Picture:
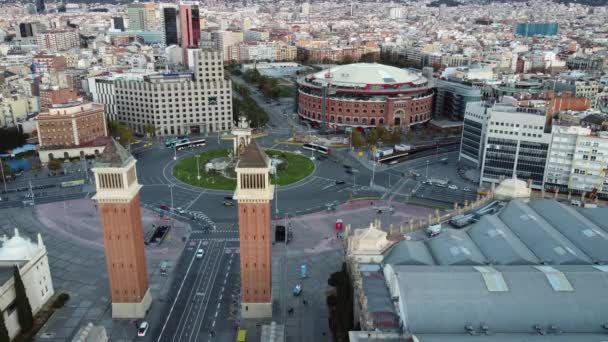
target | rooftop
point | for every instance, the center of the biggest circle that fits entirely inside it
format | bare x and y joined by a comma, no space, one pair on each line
114,155
253,157
369,73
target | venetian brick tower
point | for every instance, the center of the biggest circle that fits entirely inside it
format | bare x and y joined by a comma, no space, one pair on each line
118,198
254,193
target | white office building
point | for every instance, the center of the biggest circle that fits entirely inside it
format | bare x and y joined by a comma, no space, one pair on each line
507,139
198,101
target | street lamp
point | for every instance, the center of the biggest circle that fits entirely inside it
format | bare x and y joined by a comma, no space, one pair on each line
427,169
175,151
3,179
198,169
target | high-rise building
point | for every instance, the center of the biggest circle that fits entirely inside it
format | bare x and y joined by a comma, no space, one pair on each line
169,18
536,29
57,40
452,96
119,210
118,23
190,27
142,16
182,104
516,142
254,192
40,7
577,161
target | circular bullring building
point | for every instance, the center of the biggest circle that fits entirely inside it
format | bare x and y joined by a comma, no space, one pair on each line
364,95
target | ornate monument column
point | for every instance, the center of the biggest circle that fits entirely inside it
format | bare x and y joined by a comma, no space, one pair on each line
118,198
242,136
254,193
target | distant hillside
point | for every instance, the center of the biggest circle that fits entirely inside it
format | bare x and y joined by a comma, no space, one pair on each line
584,2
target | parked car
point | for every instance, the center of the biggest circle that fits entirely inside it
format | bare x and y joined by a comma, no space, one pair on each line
200,253
340,182
453,187
143,329
228,203
164,207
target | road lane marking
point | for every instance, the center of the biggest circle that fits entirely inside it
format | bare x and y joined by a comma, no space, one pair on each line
177,296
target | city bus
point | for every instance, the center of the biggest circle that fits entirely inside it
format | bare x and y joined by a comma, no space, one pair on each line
73,183
170,143
194,143
315,147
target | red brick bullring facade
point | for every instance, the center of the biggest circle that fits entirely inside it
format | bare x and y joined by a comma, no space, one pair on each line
366,95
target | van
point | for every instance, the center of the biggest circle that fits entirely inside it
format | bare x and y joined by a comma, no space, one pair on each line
576,203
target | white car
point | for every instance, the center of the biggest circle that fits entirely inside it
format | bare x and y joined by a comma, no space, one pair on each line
143,329
200,253
180,210
453,187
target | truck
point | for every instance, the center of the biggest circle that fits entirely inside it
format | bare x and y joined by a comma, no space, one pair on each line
462,220
384,152
402,147
433,230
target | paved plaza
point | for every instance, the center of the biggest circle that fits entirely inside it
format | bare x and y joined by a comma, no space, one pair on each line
72,235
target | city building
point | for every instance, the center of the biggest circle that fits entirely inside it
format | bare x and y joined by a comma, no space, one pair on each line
256,35
365,95
32,261
464,275
254,192
56,95
40,7
577,161
57,40
197,101
170,24
579,87
45,63
119,211
66,129
190,27
536,29
225,40
452,96
142,16
517,139
16,108
118,23
476,117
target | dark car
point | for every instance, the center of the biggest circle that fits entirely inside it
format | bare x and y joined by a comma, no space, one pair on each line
349,171
164,207
229,198
340,182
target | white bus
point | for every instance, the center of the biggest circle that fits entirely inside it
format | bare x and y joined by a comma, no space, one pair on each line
314,147
189,144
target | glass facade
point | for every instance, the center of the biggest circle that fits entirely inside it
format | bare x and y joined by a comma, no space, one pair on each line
503,156
471,138
536,29
170,24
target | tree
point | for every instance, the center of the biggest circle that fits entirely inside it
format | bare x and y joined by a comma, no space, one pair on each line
370,57
24,310
11,138
150,129
55,164
4,336
372,137
395,136
121,132
356,139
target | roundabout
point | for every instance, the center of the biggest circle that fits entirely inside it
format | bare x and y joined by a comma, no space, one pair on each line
214,169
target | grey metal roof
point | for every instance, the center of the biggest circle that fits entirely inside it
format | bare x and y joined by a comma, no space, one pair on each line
599,216
447,299
549,245
498,243
379,304
409,253
586,235
455,247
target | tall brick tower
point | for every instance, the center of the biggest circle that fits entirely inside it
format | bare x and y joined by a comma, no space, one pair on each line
254,193
118,198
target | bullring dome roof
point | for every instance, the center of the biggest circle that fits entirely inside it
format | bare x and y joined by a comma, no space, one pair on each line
369,73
